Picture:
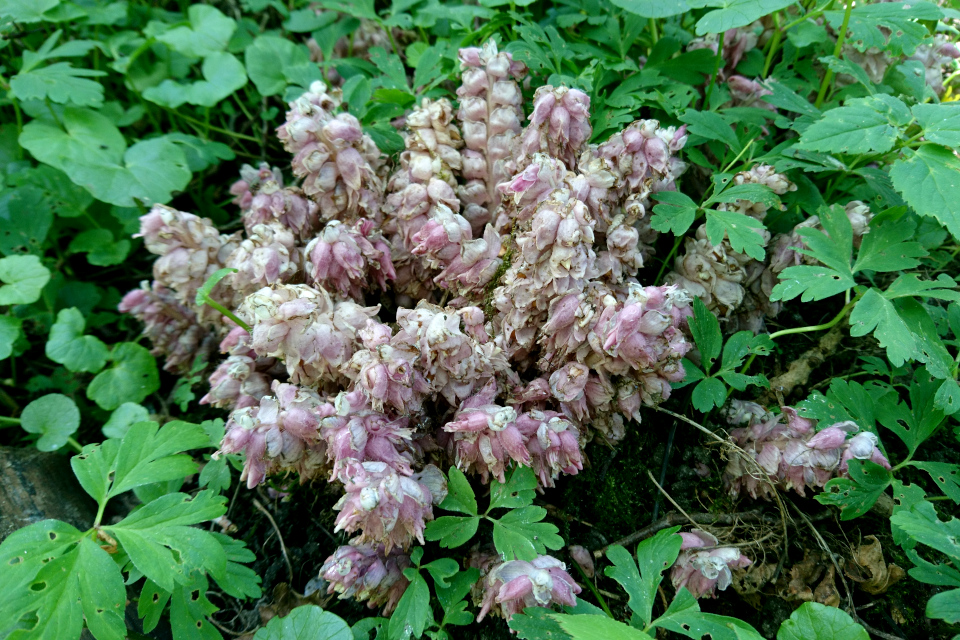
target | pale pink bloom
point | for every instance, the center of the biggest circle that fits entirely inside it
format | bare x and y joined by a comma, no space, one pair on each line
349,259
749,93
485,436
559,124
583,558
172,328
553,443
269,255
360,433
512,586
287,206
383,506
366,572
236,383
705,571
490,114
253,179
279,434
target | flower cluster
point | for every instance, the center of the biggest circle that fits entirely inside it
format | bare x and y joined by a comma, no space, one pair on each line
791,452
703,566
513,328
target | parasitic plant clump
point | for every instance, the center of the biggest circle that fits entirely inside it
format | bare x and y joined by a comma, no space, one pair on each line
512,331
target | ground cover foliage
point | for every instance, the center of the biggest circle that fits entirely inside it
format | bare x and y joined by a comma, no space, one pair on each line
600,319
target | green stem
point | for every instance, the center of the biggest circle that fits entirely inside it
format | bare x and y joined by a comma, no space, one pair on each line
194,121
74,444
828,76
8,422
666,261
226,312
593,588
654,37
774,46
716,70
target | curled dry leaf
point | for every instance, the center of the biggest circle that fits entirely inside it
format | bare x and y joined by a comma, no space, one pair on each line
826,592
868,568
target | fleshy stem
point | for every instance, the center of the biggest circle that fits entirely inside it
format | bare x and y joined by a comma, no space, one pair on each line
8,422
74,444
828,76
716,70
817,327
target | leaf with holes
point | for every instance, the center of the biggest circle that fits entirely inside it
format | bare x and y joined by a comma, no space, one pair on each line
683,616
517,491
869,25
81,585
189,609
163,546
915,423
25,219
946,476
858,493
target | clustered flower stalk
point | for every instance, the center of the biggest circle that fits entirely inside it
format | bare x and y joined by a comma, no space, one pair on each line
520,330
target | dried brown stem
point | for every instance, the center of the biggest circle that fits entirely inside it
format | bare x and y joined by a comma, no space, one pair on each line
283,547
800,369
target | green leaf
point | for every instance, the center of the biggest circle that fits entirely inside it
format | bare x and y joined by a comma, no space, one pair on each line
55,416
597,627
413,613
25,216
709,393
23,278
706,332
940,122
916,423
68,346
10,333
520,535
148,454
222,75
866,22
308,622
66,200
306,20
886,246
132,377
756,193
875,313
460,496
929,180
189,609
24,552
908,284
20,11
946,476
60,82
675,212
858,493
655,555
925,527
732,14
122,418
452,531
744,232
93,467
814,621
163,546
93,153
517,491
862,125
683,616
273,63
100,247
215,475
945,606
238,581
201,154
208,33
203,293
537,623
711,126
948,397
785,98
652,8
451,597
908,498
